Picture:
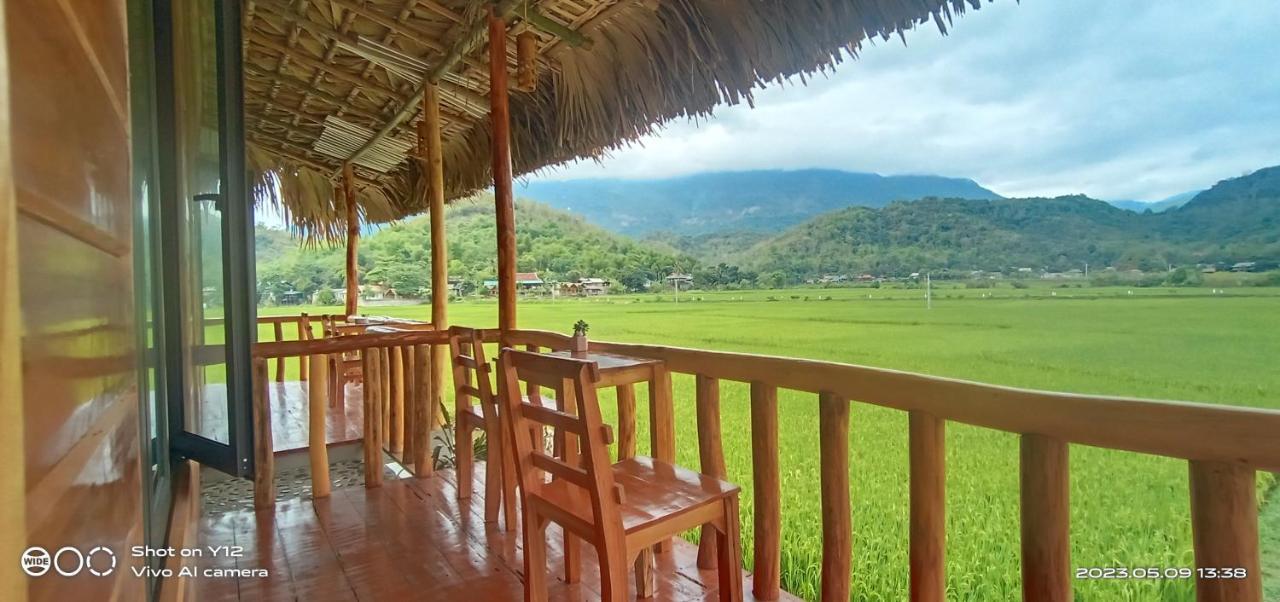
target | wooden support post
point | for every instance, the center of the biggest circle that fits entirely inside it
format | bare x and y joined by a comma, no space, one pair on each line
1046,518
423,465
384,408
430,134
1224,529
928,507
398,397
837,531
710,455
264,459
500,126
767,491
317,436
353,239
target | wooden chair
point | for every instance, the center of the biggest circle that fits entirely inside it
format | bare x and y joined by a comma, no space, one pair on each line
622,509
476,408
344,367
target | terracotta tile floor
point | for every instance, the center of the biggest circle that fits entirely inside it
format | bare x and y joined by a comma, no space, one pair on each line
410,539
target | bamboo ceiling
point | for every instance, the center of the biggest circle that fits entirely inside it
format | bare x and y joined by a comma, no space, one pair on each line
322,76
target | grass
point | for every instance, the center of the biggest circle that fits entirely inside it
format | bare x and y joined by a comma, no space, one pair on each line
1127,509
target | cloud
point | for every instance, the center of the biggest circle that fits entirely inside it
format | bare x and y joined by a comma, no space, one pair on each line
1111,99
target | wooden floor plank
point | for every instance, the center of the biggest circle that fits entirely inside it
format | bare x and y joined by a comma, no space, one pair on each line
410,539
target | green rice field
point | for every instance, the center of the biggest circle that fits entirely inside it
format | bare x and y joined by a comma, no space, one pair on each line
1127,510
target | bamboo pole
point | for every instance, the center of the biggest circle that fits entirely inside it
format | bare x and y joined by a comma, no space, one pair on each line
353,239
398,399
317,440
423,465
500,117
439,239
264,487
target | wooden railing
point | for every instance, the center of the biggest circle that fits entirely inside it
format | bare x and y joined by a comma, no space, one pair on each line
1224,446
396,407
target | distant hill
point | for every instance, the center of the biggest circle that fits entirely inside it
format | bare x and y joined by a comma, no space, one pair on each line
557,245
1164,204
1235,220
760,201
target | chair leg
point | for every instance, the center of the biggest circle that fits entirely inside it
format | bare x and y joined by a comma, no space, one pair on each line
508,459
493,476
729,552
646,584
572,558
465,456
613,574
535,557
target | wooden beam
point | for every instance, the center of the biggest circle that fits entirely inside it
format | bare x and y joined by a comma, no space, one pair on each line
500,127
330,70
305,87
544,23
457,51
353,239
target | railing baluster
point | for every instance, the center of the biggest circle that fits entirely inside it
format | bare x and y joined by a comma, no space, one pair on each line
1224,528
384,409
710,454
410,393
767,491
264,488
422,412
928,507
279,333
396,435
304,334
372,402
837,531
317,436
1046,544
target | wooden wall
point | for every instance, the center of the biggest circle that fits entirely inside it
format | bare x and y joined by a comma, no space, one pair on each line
69,136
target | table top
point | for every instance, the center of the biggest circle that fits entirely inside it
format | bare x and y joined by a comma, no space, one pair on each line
607,362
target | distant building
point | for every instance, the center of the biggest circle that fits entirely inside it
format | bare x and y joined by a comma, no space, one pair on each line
291,297
679,280
593,287
528,281
833,278
1244,266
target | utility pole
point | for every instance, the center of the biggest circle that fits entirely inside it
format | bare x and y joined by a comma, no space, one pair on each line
928,291
1086,269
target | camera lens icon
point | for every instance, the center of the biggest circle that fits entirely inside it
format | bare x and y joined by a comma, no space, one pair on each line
36,561
69,561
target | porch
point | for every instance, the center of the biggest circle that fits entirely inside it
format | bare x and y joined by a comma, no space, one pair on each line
411,538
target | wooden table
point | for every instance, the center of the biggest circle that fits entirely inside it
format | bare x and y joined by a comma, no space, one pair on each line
624,372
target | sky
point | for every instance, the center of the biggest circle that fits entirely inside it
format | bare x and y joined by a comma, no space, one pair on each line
1116,99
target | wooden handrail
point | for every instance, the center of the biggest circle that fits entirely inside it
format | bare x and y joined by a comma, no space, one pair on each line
1224,446
1192,431
355,342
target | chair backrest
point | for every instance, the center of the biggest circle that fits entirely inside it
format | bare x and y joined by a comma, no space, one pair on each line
583,461
471,372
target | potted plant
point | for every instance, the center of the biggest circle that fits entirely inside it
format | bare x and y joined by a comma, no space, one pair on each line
578,344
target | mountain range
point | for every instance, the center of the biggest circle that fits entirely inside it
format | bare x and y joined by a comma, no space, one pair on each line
760,200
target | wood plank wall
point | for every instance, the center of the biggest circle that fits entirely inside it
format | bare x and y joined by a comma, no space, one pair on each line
70,141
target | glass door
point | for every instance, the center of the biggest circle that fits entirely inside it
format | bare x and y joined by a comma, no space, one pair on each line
207,218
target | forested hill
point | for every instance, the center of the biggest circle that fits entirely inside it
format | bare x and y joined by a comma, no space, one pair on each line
761,200
553,243
1236,220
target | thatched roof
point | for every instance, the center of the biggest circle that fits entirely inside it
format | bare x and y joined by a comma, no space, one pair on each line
321,76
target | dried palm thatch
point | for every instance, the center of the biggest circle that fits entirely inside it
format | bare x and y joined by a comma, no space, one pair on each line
311,64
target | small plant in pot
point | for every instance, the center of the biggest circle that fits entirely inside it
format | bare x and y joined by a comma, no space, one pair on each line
578,344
